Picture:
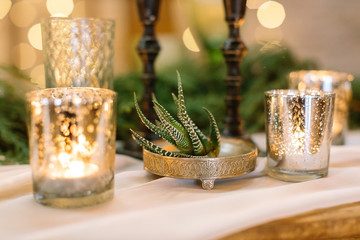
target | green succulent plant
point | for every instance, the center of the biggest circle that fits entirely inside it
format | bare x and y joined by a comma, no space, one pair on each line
181,132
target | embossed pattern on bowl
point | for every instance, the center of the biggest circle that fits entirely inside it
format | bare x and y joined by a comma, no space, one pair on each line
237,157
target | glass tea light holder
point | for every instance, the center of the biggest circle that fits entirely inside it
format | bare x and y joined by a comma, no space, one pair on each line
298,133
78,52
72,145
329,81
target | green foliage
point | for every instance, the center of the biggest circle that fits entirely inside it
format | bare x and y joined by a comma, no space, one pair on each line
125,86
13,132
183,134
265,67
354,121
204,86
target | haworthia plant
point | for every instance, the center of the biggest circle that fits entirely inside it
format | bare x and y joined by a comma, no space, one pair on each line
181,132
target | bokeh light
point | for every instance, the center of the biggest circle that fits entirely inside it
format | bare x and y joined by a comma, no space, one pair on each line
271,14
60,8
38,75
24,55
5,7
34,36
22,14
189,41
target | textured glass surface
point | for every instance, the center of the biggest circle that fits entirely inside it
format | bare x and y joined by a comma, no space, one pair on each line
78,52
329,81
72,145
298,133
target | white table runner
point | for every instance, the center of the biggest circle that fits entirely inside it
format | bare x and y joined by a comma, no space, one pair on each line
149,207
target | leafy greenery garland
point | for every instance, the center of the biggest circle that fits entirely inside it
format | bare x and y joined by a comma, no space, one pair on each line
262,69
13,131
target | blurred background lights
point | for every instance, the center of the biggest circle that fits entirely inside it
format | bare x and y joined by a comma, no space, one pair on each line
22,14
189,41
271,14
34,36
60,8
24,56
254,4
5,7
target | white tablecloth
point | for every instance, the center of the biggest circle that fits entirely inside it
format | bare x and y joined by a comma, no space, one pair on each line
149,207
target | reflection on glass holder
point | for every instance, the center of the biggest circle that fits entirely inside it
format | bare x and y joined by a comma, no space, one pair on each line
329,81
72,145
298,133
78,52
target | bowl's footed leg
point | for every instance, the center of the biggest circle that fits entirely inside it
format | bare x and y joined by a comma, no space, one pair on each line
207,184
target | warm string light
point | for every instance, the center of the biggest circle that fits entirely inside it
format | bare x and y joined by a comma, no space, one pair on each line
24,14
271,15
60,8
5,8
34,36
189,41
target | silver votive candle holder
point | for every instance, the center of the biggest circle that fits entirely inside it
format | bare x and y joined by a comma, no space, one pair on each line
329,81
78,52
72,145
298,133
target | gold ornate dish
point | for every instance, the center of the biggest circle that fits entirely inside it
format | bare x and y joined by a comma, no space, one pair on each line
237,157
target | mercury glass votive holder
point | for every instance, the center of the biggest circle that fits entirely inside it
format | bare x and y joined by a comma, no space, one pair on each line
78,52
72,145
298,133
329,81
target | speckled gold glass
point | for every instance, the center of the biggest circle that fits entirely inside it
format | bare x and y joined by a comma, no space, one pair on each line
72,145
78,52
298,133
329,81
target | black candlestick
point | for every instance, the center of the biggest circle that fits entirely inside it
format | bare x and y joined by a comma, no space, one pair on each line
148,50
233,51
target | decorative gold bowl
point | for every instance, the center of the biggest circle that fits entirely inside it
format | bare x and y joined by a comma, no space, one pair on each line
237,157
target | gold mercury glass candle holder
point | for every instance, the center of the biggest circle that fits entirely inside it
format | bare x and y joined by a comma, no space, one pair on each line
72,145
298,133
329,81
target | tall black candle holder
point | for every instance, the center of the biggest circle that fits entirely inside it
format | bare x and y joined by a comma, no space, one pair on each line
148,50
233,50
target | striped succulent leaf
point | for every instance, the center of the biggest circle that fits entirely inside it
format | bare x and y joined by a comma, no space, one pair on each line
174,98
204,140
161,111
174,128
214,134
151,146
183,134
197,137
152,127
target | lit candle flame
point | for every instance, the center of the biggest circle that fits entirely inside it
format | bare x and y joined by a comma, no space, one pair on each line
298,140
69,168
